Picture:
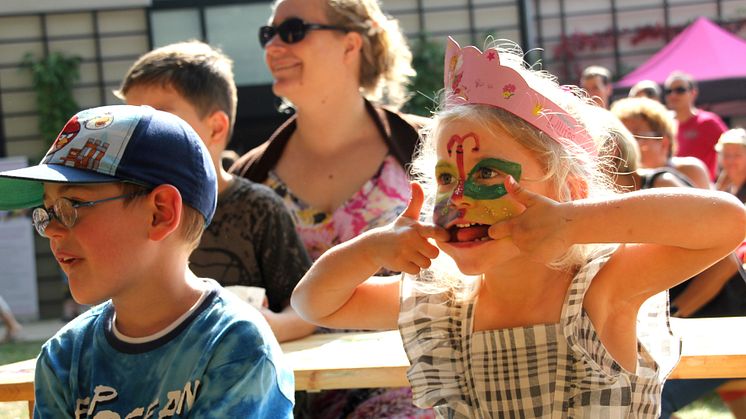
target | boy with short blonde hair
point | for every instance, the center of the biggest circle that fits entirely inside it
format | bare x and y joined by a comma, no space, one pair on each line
252,240
123,195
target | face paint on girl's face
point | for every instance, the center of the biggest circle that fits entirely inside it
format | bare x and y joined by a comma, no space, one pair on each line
476,201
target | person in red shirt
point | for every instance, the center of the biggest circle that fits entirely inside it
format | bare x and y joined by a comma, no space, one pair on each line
698,130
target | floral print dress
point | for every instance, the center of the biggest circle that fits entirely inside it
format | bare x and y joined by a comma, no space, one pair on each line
380,200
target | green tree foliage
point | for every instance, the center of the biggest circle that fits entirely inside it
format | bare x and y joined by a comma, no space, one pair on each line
53,77
427,60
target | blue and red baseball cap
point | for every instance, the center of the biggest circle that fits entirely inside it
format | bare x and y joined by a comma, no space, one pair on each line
120,143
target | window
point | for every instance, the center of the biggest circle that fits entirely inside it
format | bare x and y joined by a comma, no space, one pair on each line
232,28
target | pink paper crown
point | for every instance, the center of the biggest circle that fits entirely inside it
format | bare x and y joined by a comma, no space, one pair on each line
474,77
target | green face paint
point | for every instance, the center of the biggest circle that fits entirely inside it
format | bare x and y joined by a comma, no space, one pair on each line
484,187
480,184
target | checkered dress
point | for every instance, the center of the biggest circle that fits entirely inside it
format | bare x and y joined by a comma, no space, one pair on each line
541,371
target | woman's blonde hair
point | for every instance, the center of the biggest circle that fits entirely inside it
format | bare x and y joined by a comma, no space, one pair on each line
386,60
653,112
573,175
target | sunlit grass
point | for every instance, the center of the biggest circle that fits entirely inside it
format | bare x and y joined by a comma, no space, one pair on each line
14,410
708,407
18,351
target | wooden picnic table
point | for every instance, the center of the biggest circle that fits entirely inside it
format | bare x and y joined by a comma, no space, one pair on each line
712,348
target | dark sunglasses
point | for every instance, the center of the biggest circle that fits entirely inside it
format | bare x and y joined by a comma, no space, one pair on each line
678,90
292,30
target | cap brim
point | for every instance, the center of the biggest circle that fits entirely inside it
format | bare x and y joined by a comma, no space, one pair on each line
23,188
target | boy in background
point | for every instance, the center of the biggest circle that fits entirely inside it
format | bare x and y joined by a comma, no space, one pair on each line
123,196
252,240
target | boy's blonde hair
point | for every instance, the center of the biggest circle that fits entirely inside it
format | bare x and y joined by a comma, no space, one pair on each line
573,175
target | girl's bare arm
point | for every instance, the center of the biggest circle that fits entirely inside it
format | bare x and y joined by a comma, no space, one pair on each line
339,290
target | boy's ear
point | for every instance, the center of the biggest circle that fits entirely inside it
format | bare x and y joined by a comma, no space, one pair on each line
219,124
165,208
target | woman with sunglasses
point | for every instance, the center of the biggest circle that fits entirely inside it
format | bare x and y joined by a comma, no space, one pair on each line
340,161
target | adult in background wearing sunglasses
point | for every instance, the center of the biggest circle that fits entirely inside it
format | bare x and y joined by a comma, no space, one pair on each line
339,161
698,130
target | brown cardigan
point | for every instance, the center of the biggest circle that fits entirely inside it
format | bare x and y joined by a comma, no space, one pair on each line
397,129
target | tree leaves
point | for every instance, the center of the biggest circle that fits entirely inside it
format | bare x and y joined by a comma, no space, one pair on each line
427,60
53,77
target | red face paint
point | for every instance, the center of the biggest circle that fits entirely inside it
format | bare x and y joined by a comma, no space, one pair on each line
459,140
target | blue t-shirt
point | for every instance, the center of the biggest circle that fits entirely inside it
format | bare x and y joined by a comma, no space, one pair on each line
221,361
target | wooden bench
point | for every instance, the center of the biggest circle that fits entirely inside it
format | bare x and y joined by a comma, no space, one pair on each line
712,348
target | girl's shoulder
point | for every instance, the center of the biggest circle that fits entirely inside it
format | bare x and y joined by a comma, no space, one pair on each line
438,288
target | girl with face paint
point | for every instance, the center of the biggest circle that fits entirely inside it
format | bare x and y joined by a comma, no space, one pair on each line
524,274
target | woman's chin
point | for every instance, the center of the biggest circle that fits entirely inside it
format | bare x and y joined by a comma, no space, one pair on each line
284,88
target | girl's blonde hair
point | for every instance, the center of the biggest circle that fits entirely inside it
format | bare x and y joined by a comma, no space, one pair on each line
573,174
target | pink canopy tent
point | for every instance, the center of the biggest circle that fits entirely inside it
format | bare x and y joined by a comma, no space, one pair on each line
715,58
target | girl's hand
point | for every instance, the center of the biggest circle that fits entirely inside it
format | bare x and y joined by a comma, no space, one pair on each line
540,231
402,246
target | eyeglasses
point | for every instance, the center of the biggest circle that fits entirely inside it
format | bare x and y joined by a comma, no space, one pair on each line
65,211
292,31
678,90
648,135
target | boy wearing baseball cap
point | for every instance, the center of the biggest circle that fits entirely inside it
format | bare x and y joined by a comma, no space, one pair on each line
123,196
